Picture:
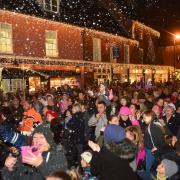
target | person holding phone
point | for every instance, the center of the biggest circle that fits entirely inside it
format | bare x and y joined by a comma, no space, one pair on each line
37,161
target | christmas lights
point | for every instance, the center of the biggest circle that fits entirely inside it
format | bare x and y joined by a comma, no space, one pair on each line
144,27
21,61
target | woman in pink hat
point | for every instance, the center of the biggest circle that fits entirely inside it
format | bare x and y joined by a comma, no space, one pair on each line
124,114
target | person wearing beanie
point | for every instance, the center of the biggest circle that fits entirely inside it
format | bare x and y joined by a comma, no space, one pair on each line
113,133
51,115
36,166
124,114
166,169
85,164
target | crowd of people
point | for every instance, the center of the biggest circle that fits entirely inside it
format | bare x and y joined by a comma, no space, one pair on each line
103,132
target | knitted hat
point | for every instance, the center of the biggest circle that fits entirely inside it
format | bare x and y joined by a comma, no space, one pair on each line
52,113
45,130
171,167
87,156
113,133
125,111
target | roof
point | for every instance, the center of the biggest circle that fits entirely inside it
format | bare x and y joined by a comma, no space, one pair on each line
8,13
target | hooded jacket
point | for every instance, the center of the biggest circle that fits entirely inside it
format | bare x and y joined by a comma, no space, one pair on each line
112,162
52,160
30,117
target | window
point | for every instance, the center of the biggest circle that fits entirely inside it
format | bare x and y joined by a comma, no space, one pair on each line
126,54
51,44
114,53
6,38
96,49
52,5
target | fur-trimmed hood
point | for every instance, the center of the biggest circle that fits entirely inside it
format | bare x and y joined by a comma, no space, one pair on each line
125,149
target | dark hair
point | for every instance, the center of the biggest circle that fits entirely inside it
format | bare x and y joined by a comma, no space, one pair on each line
86,105
102,102
137,107
61,175
111,117
30,101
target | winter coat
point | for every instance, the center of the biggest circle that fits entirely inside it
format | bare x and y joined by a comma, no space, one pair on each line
76,125
7,134
87,174
157,137
173,125
111,164
52,161
30,117
125,124
99,123
87,130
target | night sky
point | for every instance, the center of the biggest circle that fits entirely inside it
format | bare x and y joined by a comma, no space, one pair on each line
163,15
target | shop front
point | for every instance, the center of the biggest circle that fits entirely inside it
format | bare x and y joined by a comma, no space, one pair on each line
60,81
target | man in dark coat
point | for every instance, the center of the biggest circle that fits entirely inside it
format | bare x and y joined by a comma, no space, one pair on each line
36,167
111,162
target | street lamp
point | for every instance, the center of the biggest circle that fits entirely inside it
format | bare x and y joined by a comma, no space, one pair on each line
176,38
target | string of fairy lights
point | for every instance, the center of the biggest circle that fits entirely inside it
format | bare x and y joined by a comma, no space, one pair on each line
20,60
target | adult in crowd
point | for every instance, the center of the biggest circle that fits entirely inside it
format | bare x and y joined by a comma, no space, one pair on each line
36,166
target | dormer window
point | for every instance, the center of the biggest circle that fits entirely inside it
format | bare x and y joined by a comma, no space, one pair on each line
52,5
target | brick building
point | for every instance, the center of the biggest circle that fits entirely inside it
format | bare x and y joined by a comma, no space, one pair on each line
64,53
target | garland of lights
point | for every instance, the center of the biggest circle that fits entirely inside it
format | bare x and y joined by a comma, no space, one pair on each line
20,60
146,28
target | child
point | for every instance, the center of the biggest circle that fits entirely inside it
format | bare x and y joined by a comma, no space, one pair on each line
166,169
85,163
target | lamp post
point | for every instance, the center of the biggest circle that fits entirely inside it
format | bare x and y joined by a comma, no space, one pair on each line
176,37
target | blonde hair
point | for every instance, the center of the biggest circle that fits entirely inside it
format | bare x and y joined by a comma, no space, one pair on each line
136,133
74,174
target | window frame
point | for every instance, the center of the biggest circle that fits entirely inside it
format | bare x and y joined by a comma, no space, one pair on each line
11,39
97,51
126,57
57,50
51,6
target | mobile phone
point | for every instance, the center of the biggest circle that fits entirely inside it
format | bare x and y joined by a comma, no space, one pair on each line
25,152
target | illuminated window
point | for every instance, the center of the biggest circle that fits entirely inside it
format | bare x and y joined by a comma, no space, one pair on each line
51,44
52,5
96,49
126,54
6,38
